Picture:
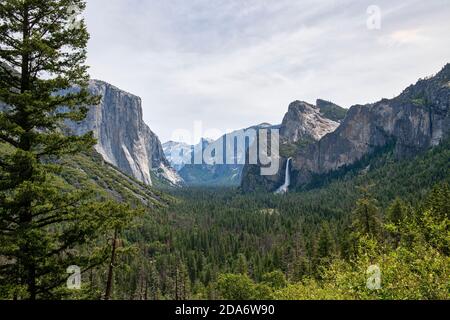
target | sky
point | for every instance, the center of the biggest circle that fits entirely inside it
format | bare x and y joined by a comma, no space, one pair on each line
231,64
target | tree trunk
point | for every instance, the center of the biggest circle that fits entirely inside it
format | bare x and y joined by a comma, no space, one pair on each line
26,218
111,267
25,74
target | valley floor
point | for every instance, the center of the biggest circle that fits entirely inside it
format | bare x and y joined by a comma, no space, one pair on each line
373,234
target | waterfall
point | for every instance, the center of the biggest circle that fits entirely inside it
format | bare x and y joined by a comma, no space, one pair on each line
287,179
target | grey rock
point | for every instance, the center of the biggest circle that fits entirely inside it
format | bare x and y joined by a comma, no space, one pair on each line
304,120
302,125
124,140
414,121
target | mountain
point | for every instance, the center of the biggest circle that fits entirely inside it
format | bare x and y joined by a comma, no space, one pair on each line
409,124
181,157
331,110
203,174
177,153
412,122
305,121
90,169
124,140
303,124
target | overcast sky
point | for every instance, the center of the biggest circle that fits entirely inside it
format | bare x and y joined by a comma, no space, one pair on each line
235,63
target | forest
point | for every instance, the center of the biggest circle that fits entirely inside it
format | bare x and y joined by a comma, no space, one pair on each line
377,230
314,244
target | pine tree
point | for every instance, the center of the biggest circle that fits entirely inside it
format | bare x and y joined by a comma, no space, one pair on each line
434,218
395,215
366,215
325,244
43,220
241,264
439,201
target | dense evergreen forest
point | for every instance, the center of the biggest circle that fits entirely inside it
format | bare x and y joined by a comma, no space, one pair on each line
313,244
379,229
221,243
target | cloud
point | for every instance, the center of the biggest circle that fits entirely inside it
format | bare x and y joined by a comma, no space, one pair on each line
404,37
236,63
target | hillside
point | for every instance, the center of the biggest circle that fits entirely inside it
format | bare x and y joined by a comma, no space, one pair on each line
90,171
216,231
410,123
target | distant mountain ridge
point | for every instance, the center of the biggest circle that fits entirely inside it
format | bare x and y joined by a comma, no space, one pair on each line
225,174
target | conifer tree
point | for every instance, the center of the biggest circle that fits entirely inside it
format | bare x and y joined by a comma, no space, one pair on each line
241,264
43,220
366,215
325,245
395,215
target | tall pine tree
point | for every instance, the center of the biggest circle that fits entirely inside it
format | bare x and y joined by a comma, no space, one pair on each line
366,215
43,220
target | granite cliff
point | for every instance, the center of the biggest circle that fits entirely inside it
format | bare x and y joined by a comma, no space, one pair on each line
124,140
411,123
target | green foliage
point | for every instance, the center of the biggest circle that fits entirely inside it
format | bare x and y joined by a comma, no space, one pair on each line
325,244
58,204
241,287
47,224
366,219
275,279
301,235
288,150
236,287
333,112
419,102
420,270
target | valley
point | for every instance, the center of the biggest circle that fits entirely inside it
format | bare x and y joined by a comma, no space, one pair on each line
314,199
214,238
222,231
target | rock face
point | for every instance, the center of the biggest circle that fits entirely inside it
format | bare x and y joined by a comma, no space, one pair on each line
124,140
305,121
303,124
411,123
414,121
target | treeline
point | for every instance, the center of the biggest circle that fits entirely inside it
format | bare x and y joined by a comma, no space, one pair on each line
61,208
404,256
48,225
211,238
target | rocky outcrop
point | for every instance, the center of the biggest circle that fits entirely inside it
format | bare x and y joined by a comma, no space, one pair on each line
305,121
303,124
411,123
414,121
331,110
253,181
124,140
